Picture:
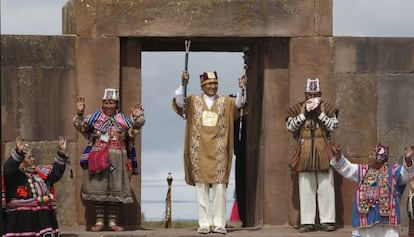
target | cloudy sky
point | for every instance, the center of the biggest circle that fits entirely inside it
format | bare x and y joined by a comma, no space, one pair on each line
163,133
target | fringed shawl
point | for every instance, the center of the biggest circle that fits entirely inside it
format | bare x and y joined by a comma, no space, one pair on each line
102,123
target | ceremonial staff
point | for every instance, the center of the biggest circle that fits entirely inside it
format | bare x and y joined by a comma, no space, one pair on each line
167,223
243,97
184,82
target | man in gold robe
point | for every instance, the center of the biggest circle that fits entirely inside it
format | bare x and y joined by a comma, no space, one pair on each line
208,148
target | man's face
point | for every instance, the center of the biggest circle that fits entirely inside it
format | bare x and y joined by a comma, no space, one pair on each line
109,107
210,89
311,95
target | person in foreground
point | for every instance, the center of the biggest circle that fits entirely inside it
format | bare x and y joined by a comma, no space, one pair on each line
410,207
208,149
109,160
312,123
30,198
380,185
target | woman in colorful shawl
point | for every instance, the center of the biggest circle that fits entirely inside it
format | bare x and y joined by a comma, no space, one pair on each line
109,160
30,198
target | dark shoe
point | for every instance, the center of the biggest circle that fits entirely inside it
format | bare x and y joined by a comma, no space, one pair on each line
328,227
307,228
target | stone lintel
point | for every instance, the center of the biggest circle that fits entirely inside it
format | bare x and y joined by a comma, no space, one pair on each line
183,18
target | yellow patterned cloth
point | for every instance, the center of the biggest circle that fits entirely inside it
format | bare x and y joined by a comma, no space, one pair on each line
209,138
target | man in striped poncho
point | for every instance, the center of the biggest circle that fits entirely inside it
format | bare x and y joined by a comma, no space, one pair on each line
312,123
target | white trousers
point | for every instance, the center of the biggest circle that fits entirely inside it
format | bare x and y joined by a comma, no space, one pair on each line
317,186
218,219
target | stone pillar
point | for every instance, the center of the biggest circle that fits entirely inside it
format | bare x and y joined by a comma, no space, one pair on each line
275,139
130,91
98,68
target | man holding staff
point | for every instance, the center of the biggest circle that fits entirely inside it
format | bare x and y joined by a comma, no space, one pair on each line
208,149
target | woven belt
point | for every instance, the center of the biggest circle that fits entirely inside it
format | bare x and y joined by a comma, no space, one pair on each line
113,144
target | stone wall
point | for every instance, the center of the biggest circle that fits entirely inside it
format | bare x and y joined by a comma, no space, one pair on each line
38,90
373,80
38,86
369,79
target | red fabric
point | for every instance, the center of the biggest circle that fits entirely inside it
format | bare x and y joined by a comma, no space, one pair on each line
234,217
98,160
295,158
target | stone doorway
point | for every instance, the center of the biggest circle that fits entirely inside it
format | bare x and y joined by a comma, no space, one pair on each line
256,53
163,135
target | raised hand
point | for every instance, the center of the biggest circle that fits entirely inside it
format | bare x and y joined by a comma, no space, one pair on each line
336,150
408,151
243,82
62,144
185,77
19,145
80,104
137,110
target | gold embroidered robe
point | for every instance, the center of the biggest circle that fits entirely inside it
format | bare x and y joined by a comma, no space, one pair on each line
208,148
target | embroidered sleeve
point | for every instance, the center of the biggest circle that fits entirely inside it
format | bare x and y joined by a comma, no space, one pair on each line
61,158
179,96
345,168
138,122
331,123
81,126
295,117
407,173
294,123
79,123
241,98
56,172
11,165
16,156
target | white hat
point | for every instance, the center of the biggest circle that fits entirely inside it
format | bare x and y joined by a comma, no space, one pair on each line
111,94
312,85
